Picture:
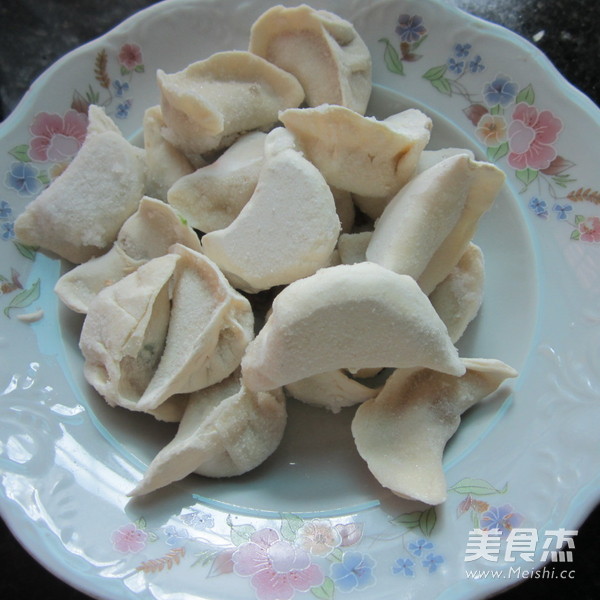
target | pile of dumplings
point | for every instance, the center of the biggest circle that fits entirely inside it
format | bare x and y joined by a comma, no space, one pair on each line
262,177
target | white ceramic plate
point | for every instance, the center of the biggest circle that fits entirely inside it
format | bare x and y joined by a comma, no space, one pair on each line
311,522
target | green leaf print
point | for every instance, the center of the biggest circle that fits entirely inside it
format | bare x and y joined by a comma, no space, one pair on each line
24,299
526,95
392,58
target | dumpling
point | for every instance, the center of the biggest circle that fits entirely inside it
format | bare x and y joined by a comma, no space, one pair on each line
165,163
458,298
402,432
428,225
226,430
348,316
209,328
359,154
332,390
323,51
124,332
287,230
213,196
147,234
211,102
353,247
79,215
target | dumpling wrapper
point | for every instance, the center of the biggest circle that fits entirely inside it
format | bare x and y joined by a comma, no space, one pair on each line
209,328
287,230
332,390
374,207
402,432
207,105
353,247
124,332
323,51
165,163
458,298
226,430
147,234
348,316
360,154
79,215
428,225
213,196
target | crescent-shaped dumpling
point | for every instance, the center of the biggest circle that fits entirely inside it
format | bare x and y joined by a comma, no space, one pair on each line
124,332
209,328
213,196
165,164
323,51
458,298
332,390
207,105
147,234
226,430
287,230
361,155
427,226
79,215
348,316
402,432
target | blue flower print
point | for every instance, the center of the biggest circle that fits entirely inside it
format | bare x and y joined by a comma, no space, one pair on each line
458,66
23,178
123,110
8,231
432,562
501,91
475,66
462,50
503,518
410,28
539,207
120,88
355,572
561,211
404,566
419,546
175,536
198,519
5,210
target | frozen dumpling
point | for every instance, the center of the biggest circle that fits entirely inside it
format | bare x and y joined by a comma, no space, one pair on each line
124,332
213,196
348,316
458,298
402,432
353,247
226,430
211,102
79,215
323,51
165,163
428,225
332,390
287,230
209,328
147,234
360,154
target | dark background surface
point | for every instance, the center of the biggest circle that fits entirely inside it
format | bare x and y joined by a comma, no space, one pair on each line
34,34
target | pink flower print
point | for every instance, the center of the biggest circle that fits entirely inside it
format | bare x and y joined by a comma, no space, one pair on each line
318,537
56,138
129,539
530,136
589,229
130,56
277,568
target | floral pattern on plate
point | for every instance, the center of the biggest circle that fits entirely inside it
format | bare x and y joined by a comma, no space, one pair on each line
508,124
54,141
